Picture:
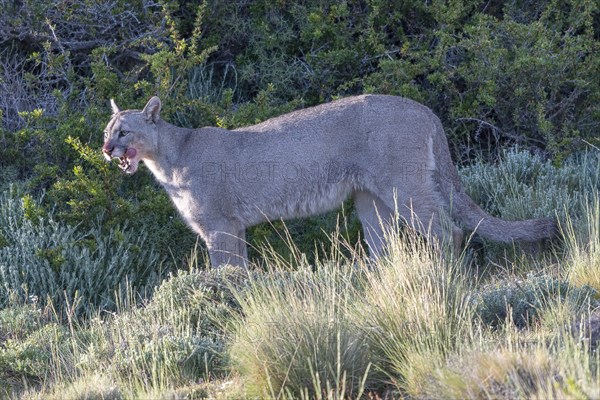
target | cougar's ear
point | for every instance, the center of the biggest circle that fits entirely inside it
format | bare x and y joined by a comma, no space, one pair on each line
113,105
152,109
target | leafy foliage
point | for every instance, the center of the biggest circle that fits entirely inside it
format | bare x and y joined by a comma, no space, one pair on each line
78,270
521,301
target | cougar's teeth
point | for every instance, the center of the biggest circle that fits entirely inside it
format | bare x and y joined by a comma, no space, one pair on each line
124,163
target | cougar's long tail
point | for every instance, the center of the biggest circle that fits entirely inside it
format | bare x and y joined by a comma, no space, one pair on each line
464,209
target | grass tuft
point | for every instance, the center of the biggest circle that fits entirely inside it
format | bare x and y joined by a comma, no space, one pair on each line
296,336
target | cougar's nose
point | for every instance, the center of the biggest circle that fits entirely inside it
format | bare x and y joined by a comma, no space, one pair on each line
107,149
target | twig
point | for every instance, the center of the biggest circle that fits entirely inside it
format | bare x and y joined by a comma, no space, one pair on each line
590,144
481,122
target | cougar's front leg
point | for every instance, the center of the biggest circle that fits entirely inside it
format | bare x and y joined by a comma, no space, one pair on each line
227,246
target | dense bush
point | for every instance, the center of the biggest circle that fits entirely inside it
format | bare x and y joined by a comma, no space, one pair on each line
77,270
520,302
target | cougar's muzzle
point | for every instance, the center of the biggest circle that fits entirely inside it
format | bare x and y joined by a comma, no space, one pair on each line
127,157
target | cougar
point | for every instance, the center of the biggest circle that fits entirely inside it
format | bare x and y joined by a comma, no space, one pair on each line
390,154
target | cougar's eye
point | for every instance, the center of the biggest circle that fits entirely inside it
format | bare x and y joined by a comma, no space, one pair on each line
123,133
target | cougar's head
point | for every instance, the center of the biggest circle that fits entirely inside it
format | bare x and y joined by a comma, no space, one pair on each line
131,135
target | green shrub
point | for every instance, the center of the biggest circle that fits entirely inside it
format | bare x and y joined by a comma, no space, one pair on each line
34,358
503,79
521,301
67,266
200,299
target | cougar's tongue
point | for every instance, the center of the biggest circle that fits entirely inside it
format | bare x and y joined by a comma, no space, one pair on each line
130,153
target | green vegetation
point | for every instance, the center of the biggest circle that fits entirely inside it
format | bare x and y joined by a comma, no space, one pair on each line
413,324
104,292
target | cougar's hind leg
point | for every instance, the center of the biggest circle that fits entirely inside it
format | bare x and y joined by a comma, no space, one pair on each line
372,213
424,212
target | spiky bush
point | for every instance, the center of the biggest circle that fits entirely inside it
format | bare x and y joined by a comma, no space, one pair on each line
78,271
524,186
522,301
203,300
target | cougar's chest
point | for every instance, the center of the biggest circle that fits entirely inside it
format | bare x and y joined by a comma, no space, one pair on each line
180,189
188,207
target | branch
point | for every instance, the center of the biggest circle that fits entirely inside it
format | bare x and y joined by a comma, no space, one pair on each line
481,122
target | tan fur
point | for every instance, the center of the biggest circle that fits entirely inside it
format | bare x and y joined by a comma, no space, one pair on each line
386,152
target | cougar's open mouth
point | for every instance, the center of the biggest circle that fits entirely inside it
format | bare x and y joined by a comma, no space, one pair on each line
127,160
124,163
